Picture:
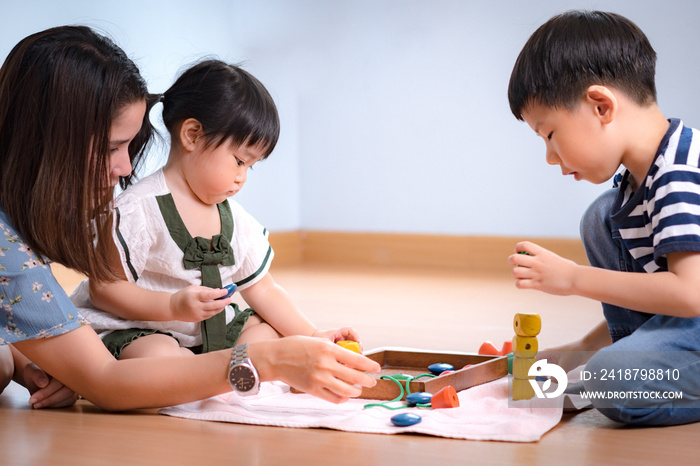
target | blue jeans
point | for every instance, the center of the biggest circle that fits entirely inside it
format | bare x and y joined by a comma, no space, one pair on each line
667,344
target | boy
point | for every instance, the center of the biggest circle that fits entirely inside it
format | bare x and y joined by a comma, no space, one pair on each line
584,82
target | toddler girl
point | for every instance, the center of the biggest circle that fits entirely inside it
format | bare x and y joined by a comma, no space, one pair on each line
178,239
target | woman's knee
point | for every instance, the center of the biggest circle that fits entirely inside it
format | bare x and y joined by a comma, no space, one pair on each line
7,367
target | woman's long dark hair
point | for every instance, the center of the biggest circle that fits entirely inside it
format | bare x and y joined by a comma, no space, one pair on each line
60,89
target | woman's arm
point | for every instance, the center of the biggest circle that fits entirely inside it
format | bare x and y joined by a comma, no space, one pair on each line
46,391
81,361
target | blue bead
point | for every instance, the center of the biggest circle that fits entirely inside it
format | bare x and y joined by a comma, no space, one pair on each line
418,398
440,367
405,419
231,289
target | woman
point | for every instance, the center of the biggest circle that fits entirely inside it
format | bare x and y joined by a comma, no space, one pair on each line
73,123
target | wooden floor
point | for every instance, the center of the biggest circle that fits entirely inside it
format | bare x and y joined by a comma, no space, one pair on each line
428,309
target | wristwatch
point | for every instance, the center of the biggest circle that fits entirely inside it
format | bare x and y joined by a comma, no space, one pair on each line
241,373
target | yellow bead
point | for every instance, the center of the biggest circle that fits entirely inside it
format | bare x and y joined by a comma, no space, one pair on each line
521,390
527,325
521,366
350,345
524,347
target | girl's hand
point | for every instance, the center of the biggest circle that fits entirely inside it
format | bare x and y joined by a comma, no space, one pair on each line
537,268
197,303
338,334
46,392
315,366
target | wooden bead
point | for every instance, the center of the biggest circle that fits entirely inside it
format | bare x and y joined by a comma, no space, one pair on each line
524,347
350,345
445,398
506,348
440,367
418,398
521,390
527,325
405,419
521,366
488,349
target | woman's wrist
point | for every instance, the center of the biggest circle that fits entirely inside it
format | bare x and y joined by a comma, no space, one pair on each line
259,354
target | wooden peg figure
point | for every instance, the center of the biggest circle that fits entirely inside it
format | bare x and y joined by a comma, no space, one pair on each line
526,327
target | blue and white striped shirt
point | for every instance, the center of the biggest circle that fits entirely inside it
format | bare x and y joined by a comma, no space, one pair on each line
663,215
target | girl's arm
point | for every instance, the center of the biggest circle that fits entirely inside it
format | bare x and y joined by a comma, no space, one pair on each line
82,362
673,293
129,301
274,304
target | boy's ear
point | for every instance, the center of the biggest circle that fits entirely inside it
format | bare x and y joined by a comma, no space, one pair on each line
603,102
190,131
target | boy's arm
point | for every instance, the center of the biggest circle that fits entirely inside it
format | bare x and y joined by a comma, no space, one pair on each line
274,304
129,301
673,293
574,354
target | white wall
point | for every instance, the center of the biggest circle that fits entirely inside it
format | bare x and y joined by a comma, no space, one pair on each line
394,112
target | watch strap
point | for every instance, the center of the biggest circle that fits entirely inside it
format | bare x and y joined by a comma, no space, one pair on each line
239,354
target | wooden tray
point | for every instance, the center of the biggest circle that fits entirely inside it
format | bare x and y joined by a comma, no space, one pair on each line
483,369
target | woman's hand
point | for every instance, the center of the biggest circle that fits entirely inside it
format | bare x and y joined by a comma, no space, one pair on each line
46,392
315,366
338,334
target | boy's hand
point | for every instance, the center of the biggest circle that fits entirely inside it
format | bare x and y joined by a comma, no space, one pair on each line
197,303
568,357
338,334
46,392
541,269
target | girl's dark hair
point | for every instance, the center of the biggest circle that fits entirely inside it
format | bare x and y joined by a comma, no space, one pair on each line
60,89
229,103
578,49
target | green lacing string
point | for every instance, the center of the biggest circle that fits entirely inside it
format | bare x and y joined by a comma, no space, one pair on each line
397,379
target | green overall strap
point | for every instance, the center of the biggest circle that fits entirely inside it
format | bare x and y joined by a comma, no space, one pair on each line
207,255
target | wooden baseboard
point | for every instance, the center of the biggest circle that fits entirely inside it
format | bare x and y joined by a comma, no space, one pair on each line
475,253
288,247
487,253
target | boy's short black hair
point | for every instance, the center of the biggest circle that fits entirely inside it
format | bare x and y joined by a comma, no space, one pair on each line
578,49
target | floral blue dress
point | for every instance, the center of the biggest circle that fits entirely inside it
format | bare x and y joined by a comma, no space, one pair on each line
32,303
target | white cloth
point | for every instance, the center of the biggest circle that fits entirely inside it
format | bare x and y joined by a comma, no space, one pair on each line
148,251
485,413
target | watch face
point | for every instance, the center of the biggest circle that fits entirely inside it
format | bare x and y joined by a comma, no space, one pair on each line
242,377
